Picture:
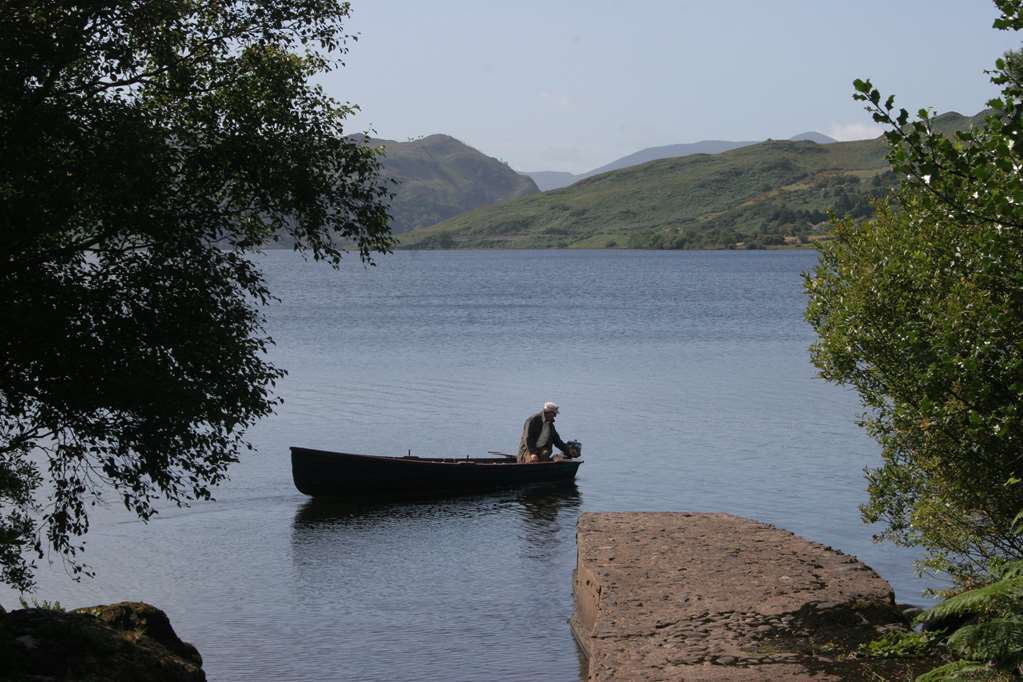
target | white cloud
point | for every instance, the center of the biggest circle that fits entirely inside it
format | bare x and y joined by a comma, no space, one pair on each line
854,131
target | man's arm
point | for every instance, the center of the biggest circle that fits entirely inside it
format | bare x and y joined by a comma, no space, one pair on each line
556,439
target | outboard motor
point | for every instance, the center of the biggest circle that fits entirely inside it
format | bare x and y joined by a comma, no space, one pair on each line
575,449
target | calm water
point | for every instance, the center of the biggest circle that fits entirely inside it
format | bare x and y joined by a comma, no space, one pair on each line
685,375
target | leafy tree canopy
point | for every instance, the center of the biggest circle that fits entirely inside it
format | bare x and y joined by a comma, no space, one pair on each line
147,149
921,310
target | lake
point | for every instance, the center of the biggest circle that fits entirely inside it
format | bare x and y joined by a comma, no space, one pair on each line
685,375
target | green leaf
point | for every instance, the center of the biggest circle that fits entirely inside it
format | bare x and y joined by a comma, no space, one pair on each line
1010,569
961,670
999,641
997,595
898,644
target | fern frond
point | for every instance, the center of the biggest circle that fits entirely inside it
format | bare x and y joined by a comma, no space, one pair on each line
1010,569
999,641
962,670
994,598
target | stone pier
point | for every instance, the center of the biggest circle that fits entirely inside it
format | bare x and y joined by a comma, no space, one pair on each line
679,596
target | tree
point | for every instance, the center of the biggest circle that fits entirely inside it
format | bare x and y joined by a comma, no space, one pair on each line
147,150
921,310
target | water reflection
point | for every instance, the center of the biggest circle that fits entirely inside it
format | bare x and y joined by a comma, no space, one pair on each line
543,505
548,517
438,581
534,525
538,505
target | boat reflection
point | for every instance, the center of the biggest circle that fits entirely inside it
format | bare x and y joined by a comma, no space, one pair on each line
539,505
544,505
434,580
548,521
531,530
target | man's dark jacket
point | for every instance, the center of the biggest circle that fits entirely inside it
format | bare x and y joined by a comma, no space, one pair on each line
539,436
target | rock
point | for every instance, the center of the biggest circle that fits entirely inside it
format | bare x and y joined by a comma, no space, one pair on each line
26,642
130,642
138,619
759,602
910,611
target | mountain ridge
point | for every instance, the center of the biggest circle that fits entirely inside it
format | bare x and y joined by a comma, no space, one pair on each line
548,180
438,176
767,194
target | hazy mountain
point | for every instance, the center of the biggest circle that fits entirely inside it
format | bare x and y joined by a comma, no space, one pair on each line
667,152
813,136
439,177
547,180
763,194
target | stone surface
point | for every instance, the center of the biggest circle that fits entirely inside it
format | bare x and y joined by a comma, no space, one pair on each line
138,619
679,596
130,641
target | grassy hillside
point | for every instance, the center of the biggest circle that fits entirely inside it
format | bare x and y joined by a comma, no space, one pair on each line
548,180
771,193
438,177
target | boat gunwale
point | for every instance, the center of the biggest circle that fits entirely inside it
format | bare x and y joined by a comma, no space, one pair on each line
415,459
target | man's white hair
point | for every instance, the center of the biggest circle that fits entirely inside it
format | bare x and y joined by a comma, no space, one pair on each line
551,407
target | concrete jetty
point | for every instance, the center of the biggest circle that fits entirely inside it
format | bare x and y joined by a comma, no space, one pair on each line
680,596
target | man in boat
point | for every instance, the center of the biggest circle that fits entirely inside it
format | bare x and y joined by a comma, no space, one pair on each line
539,437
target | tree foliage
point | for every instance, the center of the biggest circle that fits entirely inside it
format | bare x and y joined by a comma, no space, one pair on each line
920,309
147,149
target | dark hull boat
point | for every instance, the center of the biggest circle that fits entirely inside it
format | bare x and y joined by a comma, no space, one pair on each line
321,473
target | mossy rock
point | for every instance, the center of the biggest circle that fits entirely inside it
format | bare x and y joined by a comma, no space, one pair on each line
130,642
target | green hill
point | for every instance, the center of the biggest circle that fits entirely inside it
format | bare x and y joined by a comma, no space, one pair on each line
548,180
438,177
771,193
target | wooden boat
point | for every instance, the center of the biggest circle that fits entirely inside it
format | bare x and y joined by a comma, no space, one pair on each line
321,473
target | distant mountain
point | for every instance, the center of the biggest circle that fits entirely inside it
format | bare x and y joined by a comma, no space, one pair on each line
439,177
667,152
812,136
547,180
765,194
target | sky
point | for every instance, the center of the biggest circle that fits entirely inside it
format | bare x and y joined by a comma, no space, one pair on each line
569,85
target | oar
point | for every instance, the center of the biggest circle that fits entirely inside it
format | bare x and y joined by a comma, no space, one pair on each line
501,454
